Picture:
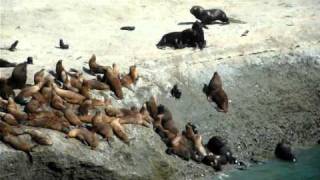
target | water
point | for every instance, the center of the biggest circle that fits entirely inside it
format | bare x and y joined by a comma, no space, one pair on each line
307,168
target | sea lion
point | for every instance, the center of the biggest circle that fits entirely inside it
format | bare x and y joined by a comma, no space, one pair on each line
131,78
17,143
94,67
196,139
218,146
69,96
152,107
113,81
213,161
85,106
30,90
85,90
101,127
4,63
283,151
9,119
47,92
39,76
215,93
175,92
209,16
39,137
18,77
62,45
33,106
29,60
13,46
6,128
181,147
61,74
48,120
72,117
85,136
57,102
68,86
141,117
166,119
95,84
12,108
86,118
119,131
193,37
6,90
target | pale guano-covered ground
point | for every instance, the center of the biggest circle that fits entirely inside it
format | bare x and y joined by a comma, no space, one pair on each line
271,76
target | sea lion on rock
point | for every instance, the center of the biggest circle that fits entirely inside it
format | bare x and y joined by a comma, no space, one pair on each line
218,146
72,117
39,76
193,37
9,119
131,78
283,151
209,16
95,84
101,127
33,106
69,96
30,90
85,136
62,45
213,161
48,120
166,119
119,131
12,108
175,92
94,67
39,137
61,74
18,77
196,139
113,81
181,147
57,102
13,46
215,93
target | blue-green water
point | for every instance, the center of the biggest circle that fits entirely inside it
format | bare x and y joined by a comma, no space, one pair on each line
307,168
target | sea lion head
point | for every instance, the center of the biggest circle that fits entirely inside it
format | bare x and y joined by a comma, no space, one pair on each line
133,72
196,10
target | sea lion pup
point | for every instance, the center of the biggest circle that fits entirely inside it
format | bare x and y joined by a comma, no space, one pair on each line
196,139
215,93
6,91
4,63
39,137
119,131
72,117
9,119
95,84
94,67
113,81
18,77
39,76
101,127
12,108
69,96
48,120
209,16
61,74
57,102
283,151
13,46
131,78
85,136
218,146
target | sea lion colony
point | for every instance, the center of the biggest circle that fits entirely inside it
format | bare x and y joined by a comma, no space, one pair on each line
64,104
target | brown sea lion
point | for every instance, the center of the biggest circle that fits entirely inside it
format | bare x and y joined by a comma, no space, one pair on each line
196,139
95,84
216,93
166,119
101,127
181,147
18,77
57,102
17,143
113,81
29,91
72,117
131,78
48,120
85,90
116,70
39,137
94,67
12,108
85,106
39,76
86,118
142,118
119,131
33,106
85,136
69,96
6,128
9,119
152,107
47,92
67,85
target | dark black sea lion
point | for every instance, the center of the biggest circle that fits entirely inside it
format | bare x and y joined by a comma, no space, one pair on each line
18,78
209,16
193,37
175,92
62,45
219,147
13,46
283,151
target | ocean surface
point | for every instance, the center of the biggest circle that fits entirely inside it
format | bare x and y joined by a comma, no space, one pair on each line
306,168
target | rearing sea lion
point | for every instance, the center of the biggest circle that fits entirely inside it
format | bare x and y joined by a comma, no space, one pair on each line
209,16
